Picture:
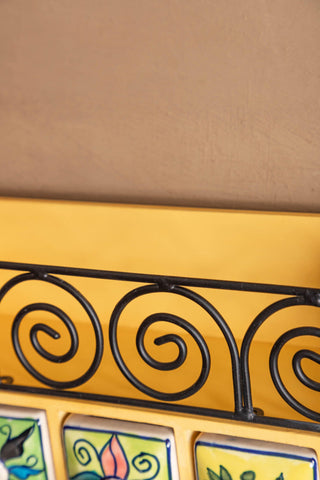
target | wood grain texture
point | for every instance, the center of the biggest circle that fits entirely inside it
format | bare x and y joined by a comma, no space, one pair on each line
198,102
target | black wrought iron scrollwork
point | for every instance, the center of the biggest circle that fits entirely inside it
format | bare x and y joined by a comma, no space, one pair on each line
41,327
181,286
173,338
274,356
296,363
170,338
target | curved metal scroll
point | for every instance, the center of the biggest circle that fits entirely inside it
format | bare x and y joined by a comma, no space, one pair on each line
177,340
243,408
274,356
296,363
40,327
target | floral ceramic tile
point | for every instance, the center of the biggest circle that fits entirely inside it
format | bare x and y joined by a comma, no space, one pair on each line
99,448
220,457
24,445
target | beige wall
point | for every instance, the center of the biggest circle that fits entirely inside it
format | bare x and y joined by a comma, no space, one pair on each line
197,102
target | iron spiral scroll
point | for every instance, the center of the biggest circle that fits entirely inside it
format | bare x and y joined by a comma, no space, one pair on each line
181,287
306,300
41,327
188,327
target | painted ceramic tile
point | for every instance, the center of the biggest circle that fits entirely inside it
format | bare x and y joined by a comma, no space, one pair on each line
98,448
24,445
220,457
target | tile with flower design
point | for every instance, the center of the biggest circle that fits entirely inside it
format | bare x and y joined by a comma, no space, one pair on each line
219,457
99,448
24,445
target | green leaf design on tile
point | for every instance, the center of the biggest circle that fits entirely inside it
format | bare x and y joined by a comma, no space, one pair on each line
225,475
212,475
248,475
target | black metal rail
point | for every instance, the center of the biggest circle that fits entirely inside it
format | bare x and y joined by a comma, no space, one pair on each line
180,286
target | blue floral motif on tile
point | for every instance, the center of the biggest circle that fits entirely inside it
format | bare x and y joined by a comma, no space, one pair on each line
101,455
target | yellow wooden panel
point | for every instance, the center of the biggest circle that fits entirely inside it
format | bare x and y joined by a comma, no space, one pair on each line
245,246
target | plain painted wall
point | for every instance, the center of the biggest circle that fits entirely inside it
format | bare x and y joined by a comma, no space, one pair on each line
185,102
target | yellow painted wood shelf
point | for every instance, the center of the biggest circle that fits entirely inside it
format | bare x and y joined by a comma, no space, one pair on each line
259,247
